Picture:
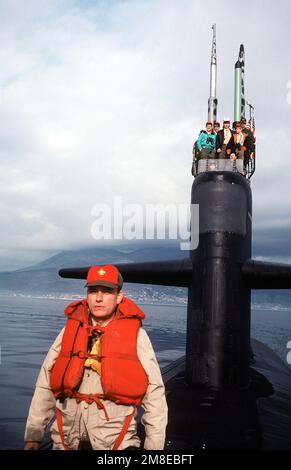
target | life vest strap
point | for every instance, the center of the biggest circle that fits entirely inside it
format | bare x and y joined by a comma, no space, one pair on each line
80,354
90,398
91,329
124,429
84,355
96,398
60,426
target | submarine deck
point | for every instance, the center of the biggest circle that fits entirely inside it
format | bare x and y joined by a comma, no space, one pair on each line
256,418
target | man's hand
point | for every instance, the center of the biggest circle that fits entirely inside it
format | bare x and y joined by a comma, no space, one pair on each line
31,445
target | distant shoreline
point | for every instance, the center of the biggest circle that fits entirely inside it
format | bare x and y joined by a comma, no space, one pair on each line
171,302
72,297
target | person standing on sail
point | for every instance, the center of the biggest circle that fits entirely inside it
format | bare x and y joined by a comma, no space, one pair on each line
206,142
222,139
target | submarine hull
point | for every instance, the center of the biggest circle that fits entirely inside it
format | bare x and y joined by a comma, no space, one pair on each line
218,318
257,418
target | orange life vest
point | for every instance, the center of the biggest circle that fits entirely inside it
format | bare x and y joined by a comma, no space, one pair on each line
123,378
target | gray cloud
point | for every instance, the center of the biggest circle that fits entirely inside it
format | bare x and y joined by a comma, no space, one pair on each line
103,99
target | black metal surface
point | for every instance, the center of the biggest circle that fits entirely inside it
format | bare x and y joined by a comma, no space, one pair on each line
218,321
167,273
258,417
274,410
256,274
222,202
263,275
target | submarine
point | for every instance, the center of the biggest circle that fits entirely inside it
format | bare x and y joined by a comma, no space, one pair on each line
228,391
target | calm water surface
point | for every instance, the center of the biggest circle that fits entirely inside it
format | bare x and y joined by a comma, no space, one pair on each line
29,326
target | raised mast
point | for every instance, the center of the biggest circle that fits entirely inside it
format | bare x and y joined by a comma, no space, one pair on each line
212,102
239,86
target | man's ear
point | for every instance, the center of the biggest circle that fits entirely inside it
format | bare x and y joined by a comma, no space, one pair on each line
119,297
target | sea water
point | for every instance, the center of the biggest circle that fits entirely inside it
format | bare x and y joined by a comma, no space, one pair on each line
29,326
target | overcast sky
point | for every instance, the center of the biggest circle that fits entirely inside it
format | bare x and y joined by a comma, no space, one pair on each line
105,98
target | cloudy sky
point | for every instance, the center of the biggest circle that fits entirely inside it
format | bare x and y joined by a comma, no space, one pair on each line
103,98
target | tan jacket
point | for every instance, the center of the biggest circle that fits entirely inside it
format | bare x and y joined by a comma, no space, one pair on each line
85,421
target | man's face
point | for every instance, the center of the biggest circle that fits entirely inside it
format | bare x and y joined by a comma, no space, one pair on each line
209,128
102,302
226,125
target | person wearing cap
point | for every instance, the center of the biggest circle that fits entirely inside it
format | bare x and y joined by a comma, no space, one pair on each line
222,139
100,368
206,142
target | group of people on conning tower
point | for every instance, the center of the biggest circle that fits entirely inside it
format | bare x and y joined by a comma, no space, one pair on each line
225,143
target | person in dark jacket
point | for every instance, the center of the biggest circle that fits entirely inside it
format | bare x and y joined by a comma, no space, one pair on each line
238,145
246,128
216,127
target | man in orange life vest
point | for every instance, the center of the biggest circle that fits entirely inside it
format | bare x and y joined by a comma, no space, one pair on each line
100,368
